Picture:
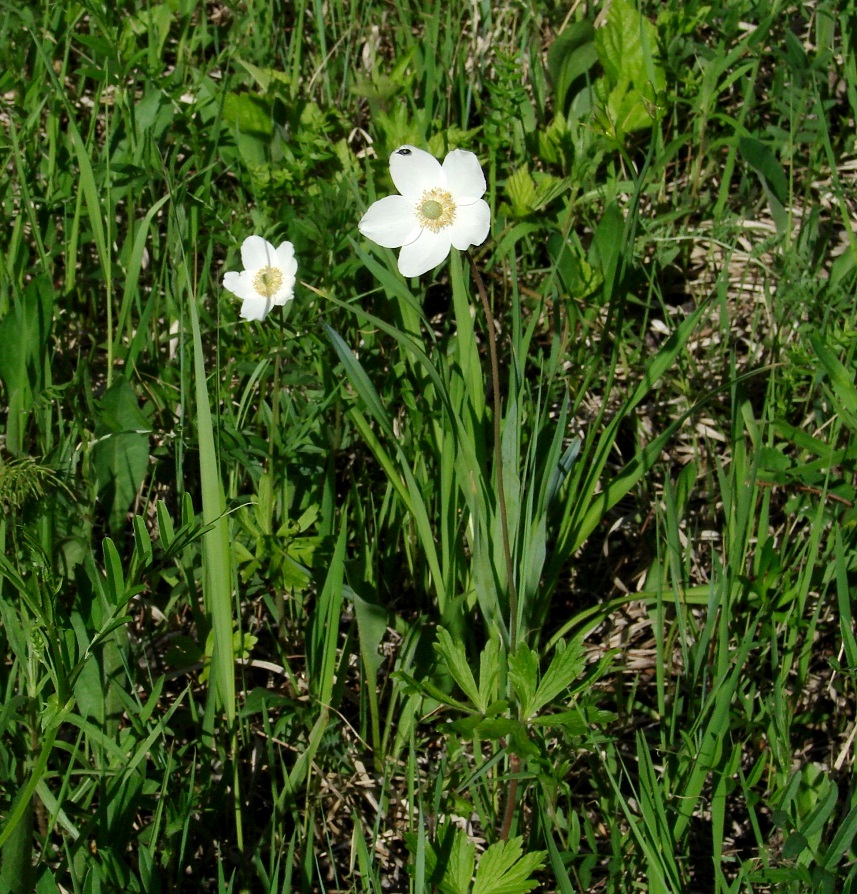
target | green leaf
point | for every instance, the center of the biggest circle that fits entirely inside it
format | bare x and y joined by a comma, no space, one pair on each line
841,382
506,869
842,840
566,666
428,689
633,77
115,578
24,358
607,243
576,722
521,189
252,121
456,663
774,181
121,453
626,48
495,728
248,114
143,552
450,862
765,164
489,674
794,846
570,57
166,531
524,675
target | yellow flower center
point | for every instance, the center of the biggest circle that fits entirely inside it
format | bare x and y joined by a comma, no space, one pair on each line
268,281
436,209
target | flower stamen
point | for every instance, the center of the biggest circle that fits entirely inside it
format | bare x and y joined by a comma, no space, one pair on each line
267,281
436,209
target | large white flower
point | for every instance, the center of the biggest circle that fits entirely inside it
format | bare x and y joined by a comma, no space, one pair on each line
268,278
439,206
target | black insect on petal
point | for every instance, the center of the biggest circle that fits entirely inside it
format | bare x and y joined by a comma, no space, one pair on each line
403,151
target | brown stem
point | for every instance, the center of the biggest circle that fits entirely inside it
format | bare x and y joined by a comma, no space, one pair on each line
511,797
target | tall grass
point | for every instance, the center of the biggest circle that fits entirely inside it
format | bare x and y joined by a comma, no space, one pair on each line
530,574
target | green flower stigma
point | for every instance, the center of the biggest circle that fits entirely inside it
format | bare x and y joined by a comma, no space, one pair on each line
436,209
432,210
267,281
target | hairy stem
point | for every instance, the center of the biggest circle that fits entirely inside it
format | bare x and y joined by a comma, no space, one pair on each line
514,760
498,456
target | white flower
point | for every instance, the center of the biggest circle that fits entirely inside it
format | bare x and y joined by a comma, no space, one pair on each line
439,206
268,277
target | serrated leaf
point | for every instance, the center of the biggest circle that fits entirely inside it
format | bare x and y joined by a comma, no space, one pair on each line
794,846
506,869
524,675
452,860
519,742
626,48
428,689
455,659
626,111
465,727
497,728
633,77
566,666
575,722
549,188
489,675
521,190
248,114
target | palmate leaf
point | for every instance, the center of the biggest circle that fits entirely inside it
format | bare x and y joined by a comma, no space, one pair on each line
566,666
627,47
534,694
449,861
633,75
503,869
506,869
524,675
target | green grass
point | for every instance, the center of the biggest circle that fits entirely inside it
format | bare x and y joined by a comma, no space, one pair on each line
267,623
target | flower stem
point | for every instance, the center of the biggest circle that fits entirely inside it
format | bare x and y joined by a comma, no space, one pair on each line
511,797
498,457
514,760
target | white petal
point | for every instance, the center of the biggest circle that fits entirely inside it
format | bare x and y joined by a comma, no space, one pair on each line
240,284
471,225
232,281
285,257
390,222
414,171
255,307
286,291
424,253
464,177
257,252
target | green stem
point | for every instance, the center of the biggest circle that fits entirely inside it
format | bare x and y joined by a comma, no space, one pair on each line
514,760
498,456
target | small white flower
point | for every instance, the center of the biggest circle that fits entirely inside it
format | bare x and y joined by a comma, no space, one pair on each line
440,206
268,278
